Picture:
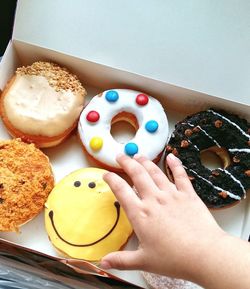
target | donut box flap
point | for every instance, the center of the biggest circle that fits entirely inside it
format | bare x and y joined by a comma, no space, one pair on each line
22,266
184,43
104,77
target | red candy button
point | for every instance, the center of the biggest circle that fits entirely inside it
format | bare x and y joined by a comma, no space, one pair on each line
141,99
93,116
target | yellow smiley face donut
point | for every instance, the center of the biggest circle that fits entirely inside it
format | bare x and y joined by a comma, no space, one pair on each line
83,218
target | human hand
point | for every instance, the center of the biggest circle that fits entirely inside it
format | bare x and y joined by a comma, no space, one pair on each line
174,228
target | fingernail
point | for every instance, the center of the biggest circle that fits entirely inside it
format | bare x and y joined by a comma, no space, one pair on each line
106,175
174,158
137,156
105,265
119,155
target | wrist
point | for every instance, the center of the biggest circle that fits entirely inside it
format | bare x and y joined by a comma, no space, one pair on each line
224,263
206,255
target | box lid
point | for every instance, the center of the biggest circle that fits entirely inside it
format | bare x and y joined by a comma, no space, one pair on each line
199,45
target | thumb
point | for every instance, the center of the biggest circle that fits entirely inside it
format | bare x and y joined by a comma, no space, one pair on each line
123,260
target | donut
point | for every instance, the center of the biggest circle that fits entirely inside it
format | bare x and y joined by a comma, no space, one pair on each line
42,103
83,219
26,179
225,134
143,112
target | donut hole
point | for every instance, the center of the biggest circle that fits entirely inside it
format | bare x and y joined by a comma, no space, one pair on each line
214,157
124,127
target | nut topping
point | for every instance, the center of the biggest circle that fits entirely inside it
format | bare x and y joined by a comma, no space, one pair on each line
215,173
58,77
188,132
236,160
218,123
168,148
223,194
196,129
247,173
184,144
175,152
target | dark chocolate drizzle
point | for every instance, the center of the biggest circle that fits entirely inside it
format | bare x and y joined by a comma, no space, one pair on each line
117,206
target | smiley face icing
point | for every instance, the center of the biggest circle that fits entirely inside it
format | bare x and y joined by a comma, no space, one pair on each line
83,218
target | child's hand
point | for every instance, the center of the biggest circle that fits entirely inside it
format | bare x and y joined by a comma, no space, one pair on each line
174,227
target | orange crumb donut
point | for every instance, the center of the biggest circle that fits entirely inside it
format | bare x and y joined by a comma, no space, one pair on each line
143,112
26,180
42,103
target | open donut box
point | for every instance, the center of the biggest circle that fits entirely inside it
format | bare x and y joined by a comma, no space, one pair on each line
68,156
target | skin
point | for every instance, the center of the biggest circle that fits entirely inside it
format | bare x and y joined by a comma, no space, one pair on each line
177,234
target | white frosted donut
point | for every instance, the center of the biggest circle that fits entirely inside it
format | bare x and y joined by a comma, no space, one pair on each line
144,112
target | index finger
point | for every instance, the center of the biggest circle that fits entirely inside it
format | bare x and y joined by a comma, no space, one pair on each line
123,192
181,179
139,175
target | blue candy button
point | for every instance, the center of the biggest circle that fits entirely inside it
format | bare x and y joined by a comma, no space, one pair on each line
131,149
151,126
112,96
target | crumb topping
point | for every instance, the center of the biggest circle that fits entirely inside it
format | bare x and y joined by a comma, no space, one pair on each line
26,179
58,77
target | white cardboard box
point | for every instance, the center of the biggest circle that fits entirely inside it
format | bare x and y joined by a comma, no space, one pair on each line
178,102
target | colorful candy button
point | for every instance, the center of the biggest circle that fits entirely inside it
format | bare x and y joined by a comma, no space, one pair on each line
131,149
141,99
93,116
151,126
112,96
96,143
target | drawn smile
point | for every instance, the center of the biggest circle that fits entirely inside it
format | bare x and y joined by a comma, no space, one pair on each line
51,215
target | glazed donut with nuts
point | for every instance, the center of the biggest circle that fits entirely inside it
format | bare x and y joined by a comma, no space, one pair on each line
227,135
41,103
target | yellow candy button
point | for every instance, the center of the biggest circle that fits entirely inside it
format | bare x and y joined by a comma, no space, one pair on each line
96,143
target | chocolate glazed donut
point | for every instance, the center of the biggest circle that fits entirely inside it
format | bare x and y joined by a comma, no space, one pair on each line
228,137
